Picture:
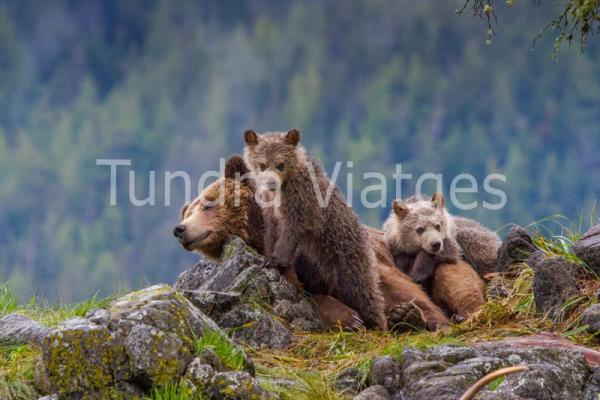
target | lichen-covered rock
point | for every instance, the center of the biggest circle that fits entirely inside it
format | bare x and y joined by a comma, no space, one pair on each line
376,392
446,372
588,248
236,386
155,357
255,302
386,372
199,376
516,247
146,337
553,285
17,329
591,317
79,356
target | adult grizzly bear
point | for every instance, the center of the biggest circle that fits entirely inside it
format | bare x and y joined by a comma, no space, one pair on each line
337,252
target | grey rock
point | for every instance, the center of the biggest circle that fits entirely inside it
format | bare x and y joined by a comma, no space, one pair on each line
553,285
516,247
374,393
350,380
51,397
211,302
591,317
236,386
17,329
446,372
592,386
387,372
209,357
98,316
536,258
155,357
266,332
588,248
199,376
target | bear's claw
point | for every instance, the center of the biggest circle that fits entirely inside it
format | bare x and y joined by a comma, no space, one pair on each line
405,317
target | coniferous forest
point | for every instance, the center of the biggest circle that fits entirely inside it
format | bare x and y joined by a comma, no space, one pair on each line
172,85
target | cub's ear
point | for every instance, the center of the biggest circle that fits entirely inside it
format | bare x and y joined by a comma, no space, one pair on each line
235,165
184,209
292,137
400,209
250,137
438,200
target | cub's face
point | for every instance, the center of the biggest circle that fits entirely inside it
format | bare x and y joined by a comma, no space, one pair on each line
203,226
419,225
273,158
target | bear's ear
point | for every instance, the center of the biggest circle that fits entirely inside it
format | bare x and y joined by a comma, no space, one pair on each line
250,137
292,137
438,200
235,165
184,209
400,209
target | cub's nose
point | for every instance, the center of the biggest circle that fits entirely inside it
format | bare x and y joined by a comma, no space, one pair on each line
179,231
435,246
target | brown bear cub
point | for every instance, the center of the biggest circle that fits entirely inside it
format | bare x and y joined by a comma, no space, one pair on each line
212,219
315,224
421,235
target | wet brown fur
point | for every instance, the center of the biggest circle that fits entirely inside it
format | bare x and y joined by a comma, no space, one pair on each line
329,238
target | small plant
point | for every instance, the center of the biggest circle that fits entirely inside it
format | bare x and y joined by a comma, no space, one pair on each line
231,356
174,391
8,301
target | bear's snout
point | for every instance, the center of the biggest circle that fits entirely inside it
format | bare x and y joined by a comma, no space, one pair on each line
179,231
436,246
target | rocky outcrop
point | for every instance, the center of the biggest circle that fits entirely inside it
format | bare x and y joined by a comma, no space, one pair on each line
145,339
257,304
588,248
556,371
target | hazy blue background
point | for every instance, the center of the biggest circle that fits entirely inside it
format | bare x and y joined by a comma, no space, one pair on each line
172,85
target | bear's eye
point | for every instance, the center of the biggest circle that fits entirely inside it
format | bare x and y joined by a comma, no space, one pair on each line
280,166
420,230
262,166
438,227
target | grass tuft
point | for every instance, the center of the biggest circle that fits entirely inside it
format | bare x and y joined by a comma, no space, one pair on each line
232,357
8,301
17,365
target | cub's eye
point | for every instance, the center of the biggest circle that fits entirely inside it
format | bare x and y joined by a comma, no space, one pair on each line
262,166
438,227
280,166
420,230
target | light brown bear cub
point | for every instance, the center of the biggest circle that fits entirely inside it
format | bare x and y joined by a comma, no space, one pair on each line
327,235
212,219
423,239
